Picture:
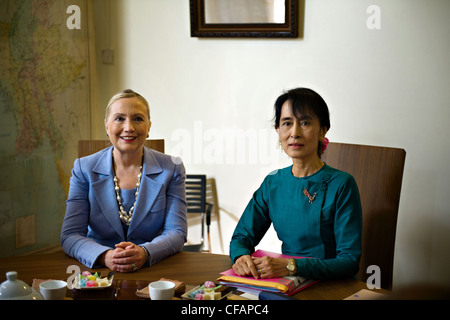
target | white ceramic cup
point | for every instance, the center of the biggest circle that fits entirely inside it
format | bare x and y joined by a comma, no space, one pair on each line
53,289
161,290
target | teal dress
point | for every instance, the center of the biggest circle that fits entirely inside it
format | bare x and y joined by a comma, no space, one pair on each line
318,216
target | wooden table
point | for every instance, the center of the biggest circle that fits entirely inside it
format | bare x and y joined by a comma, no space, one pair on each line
192,268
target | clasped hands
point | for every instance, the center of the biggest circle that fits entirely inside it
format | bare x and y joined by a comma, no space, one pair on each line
126,257
261,267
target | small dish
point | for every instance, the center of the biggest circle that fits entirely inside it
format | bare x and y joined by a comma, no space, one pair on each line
109,280
228,291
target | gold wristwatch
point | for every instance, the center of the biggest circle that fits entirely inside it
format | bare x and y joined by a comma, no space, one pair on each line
292,267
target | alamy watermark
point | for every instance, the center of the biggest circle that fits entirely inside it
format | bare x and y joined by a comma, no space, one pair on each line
373,22
71,279
232,146
74,20
374,280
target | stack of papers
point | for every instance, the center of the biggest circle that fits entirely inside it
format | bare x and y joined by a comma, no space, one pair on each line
288,285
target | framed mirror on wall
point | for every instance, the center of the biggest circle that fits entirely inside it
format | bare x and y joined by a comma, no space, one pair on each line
244,18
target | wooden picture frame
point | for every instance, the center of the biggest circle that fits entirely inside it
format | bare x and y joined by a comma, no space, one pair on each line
282,28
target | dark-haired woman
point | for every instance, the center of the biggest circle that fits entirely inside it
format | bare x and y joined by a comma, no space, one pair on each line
315,209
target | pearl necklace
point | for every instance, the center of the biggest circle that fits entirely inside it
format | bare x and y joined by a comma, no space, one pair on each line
124,216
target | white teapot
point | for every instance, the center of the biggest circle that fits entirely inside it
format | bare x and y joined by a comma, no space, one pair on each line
14,289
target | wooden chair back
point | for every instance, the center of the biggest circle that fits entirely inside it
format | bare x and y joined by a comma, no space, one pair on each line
378,171
87,147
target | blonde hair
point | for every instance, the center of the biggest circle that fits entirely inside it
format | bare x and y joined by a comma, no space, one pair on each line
127,93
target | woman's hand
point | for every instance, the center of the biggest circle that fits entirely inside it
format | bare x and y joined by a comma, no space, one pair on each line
244,266
268,267
127,257
263,267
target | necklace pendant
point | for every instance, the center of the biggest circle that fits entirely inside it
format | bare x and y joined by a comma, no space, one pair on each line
309,196
124,216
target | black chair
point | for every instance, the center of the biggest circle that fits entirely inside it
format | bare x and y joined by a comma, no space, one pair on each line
197,205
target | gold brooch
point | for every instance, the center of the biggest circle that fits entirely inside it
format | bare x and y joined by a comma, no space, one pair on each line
309,196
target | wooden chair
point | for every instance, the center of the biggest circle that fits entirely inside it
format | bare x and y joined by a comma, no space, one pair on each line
213,199
378,171
87,147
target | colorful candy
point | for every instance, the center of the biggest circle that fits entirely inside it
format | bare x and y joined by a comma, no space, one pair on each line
88,280
91,283
83,283
198,296
209,291
103,282
209,284
194,293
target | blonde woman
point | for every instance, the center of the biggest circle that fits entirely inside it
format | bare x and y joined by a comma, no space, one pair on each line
126,207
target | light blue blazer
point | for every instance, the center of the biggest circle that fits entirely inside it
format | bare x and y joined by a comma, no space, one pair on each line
92,225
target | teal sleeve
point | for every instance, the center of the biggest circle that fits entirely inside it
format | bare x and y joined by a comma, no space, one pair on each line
252,226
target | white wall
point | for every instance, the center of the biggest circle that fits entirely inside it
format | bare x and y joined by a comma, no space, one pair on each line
385,87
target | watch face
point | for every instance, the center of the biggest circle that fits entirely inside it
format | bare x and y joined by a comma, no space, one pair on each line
291,265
